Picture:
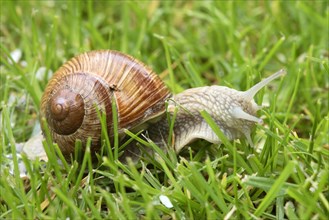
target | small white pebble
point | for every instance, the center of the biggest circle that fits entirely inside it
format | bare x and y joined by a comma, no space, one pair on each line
245,179
166,201
16,55
40,74
33,148
23,63
21,167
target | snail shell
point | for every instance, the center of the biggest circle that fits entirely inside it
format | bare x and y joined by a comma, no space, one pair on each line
88,83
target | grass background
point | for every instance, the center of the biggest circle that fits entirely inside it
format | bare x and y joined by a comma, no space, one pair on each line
190,44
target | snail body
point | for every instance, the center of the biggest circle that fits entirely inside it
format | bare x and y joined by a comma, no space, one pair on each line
90,82
233,111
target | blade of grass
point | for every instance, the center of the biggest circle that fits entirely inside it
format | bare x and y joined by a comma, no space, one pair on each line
275,189
85,162
115,128
270,54
224,140
69,202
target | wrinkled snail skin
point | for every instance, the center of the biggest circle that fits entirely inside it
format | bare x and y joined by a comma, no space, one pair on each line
233,111
90,82
87,84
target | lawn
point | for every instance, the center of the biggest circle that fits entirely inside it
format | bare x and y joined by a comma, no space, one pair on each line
189,44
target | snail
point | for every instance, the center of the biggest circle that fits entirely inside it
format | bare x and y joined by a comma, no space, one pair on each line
90,82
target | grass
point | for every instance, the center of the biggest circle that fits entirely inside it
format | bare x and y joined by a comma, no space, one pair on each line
189,44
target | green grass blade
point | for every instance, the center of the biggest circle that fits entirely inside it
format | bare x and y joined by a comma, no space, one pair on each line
225,141
276,188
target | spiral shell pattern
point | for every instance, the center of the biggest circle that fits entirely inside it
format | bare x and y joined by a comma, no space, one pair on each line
88,83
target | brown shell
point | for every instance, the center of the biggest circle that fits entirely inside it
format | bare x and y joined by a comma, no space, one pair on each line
89,82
